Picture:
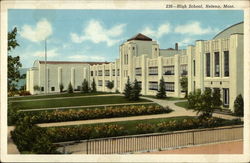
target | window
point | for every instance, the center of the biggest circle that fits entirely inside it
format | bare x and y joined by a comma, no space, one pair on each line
125,59
133,48
139,83
42,88
169,86
113,72
95,73
226,63
225,96
118,72
106,73
216,64
92,73
52,88
99,82
137,71
208,64
183,69
168,70
99,72
153,85
153,71
194,66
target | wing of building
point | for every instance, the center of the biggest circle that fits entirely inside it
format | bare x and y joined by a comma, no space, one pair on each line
216,64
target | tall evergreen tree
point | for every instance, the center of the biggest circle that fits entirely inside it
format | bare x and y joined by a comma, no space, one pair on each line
161,93
93,85
85,86
239,105
128,89
135,92
70,88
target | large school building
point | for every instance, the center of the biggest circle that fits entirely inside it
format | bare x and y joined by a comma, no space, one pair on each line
215,64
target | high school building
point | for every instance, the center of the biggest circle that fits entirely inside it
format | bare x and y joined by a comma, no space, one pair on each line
215,64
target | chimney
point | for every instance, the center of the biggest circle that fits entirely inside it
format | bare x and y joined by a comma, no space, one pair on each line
176,46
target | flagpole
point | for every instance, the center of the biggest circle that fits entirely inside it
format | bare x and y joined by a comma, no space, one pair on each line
45,68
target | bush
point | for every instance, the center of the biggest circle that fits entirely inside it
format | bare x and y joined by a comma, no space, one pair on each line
143,128
61,87
31,138
70,88
162,91
24,93
239,106
84,114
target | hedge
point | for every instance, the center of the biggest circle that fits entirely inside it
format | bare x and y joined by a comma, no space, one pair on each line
96,113
61,134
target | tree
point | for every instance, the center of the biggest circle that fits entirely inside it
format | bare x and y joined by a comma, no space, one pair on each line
110,85
201,103
36,88
70,88
61,86
239,105
14,63
128,89
85,86
216,99
161,93
135,92
93,85
184,85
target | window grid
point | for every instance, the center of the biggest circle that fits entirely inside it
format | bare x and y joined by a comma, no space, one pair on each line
168,70
153,85
169,86
138,71
153,71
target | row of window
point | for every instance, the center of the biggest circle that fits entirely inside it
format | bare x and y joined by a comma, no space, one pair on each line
106,72
167,70
217,64
169,86
100,83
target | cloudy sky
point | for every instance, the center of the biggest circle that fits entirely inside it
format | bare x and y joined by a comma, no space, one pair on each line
95,35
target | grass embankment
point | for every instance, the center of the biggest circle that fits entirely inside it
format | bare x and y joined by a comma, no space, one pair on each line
84,101
32,97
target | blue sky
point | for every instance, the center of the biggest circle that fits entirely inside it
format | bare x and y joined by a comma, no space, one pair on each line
95,35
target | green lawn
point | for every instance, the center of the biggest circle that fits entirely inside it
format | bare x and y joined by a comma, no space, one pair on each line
183,104
98,100
54,96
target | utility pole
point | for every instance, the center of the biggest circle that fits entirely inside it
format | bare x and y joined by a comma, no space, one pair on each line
45,69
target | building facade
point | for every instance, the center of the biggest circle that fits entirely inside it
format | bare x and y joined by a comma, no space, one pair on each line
214,64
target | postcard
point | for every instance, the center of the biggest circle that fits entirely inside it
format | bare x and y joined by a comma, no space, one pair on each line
125,81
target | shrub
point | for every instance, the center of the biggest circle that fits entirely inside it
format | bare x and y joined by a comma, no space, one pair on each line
24,93
84,114
128,89
216,99
31,138
70,88
135,91
143,128
93,85
85,86
61,87
239,106
162,91
110,85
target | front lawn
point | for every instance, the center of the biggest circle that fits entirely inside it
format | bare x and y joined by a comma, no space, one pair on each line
55,96
183,104
84,101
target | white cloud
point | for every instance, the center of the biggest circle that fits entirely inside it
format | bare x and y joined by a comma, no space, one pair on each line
86,58
157,33
194,28
96,33
40,32
50,54
186,42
